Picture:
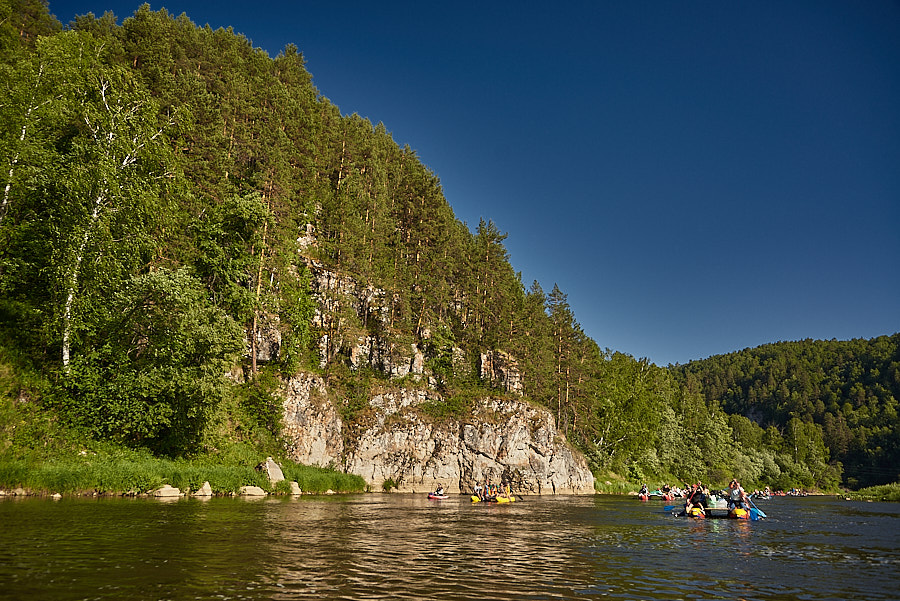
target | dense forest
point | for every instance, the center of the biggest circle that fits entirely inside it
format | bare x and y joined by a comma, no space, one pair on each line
842,394
156,178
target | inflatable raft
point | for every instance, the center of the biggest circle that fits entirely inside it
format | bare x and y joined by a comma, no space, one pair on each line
737,513
508,499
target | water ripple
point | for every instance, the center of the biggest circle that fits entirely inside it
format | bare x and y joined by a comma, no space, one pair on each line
406,547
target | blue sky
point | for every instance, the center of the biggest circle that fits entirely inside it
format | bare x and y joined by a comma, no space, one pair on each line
697,177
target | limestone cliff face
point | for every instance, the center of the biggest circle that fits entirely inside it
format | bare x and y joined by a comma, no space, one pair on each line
505,440
313,429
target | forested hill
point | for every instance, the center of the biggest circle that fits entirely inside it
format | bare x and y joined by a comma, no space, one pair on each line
168,191
844,392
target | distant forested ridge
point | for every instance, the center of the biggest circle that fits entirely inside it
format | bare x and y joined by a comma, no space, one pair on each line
167,191
842,394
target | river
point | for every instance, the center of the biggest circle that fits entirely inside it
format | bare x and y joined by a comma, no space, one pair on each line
392,546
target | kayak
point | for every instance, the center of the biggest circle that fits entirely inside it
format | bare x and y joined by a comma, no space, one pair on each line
431,495
509,499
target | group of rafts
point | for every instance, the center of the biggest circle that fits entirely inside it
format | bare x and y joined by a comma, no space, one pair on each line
733,503
718,507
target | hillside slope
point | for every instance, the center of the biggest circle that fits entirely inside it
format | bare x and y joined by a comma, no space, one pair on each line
188,223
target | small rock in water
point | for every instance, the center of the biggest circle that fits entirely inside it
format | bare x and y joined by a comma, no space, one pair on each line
166,491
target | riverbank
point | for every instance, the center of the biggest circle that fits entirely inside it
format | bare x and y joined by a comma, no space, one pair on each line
887,492
124,472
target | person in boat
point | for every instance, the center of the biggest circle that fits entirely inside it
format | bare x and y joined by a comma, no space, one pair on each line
644,491
488,492
439,491
695,498
736,495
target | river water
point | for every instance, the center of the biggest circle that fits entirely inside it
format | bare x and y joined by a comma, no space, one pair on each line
377,546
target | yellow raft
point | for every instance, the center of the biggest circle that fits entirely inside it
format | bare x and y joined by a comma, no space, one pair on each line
508,499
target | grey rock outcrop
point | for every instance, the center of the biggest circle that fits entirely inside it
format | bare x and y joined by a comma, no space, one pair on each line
498,368
252,491
312,425
395,439
268,340
506,440
272,470
166,491
353,319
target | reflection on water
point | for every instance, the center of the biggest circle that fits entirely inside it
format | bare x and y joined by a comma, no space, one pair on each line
407,547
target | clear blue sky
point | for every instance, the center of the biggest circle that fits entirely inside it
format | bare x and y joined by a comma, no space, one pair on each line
697,177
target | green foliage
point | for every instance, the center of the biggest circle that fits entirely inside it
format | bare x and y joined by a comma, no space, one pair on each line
457,407
440,352
317,479
829,405
161,371
225,238
261,404
109,469
885,492
354,395
613,484
296,312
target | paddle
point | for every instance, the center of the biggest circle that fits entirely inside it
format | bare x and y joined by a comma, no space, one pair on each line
760,513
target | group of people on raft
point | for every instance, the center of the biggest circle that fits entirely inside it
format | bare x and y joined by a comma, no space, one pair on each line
697,497
736,498
491,492
484,492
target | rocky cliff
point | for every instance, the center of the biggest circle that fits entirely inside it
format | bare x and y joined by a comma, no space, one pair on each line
394,440
398,436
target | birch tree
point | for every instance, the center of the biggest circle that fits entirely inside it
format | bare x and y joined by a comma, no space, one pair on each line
113,183
90,187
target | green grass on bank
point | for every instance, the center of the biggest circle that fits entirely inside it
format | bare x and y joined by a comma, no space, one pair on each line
613,484
130,472
886,492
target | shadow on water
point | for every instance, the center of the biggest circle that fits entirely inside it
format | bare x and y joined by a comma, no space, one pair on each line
408,547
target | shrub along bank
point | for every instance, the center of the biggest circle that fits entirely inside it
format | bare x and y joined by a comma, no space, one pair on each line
41,456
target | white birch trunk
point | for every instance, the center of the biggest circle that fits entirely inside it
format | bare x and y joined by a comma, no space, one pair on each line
12,165
73,282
